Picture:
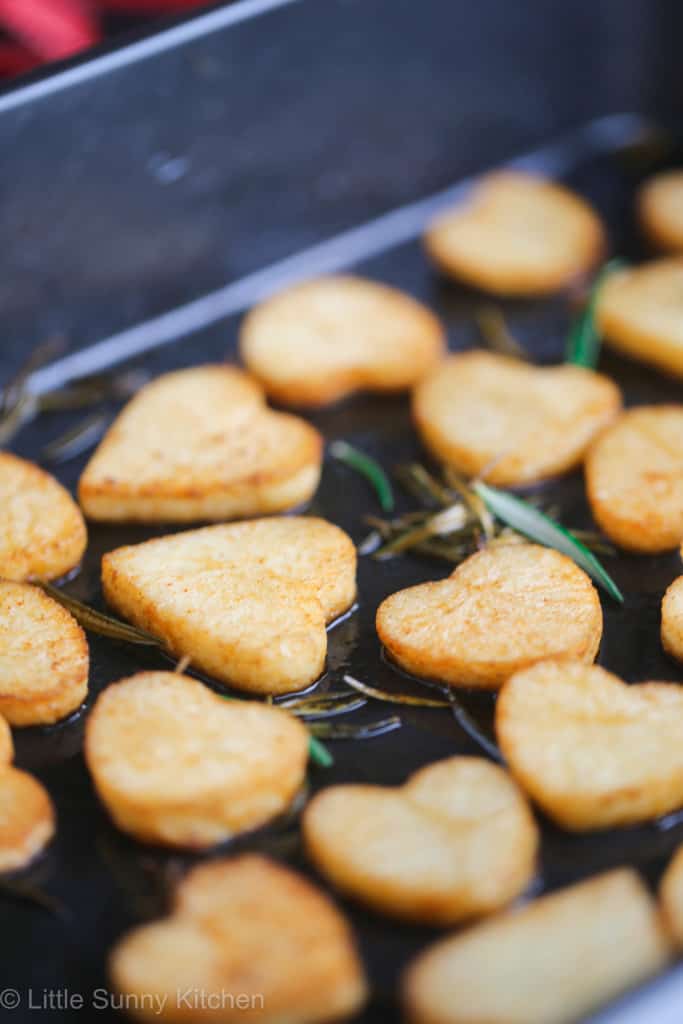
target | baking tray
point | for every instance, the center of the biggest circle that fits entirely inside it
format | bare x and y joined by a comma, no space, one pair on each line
105,882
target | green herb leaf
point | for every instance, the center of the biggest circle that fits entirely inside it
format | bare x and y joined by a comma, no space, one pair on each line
318,753
367,467
531,522
583,343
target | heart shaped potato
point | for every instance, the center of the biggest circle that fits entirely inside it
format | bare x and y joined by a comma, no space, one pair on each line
634,479
592,751
43,657
640,312
672,620
27,818
319,341
522,423
176,764
516,234
502,609
671,897
456,841
200,444
247,939
660,209
552,961
247,602
42,532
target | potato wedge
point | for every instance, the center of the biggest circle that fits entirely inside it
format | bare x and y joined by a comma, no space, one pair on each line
319,341
200,444
457,840
640,313
521,423
42,532
503,609
616,756
550,962
176,764
517,234
634,479
247,938
660,210
43,657
247,602
27,818
672,619
671,897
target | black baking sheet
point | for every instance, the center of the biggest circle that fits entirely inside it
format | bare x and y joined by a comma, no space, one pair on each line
104,881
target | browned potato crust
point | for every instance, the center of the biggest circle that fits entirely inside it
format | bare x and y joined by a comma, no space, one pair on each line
27,818
176,764
634,479
517,234
521,423
660,210
457,840
243,927
616,751
42,532
6,743
671,897
672,619
247,602
319,341
200,444
503,609
640,312
43,657
550,962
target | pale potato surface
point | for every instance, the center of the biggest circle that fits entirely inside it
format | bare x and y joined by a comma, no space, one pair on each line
517,234
176,764
245,926
550,962
592,751
457,840
660,209
44,657
671,897
200,444
503,609
27,818
42,532
634,479
6,743
640,312
318,341
248,602
672,619
521,423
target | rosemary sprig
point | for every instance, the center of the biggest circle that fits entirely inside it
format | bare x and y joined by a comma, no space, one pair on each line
532,523
584,342
77,439
355,732
328,707
452,520
496,334
367,467
318,752
394,698
98,622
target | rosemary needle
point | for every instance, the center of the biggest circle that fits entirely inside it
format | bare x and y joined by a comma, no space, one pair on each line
394,698
367,467
98,622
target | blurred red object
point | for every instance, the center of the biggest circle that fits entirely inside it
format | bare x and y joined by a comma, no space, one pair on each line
45,30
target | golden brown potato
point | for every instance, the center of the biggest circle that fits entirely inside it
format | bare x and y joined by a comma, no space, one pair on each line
43,657
503,609
247,939
640,312
200,444
176,764
517,234
660,210
634,479
672,620
521,423
247,602
319,341
671,898
6,743
42,532
27,818
592,751
550,962
457,840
